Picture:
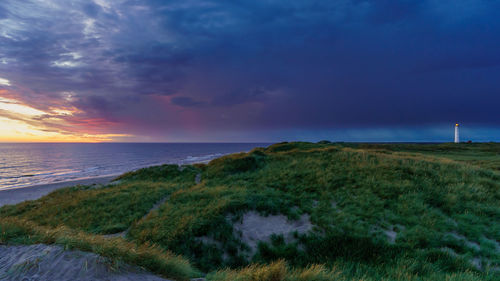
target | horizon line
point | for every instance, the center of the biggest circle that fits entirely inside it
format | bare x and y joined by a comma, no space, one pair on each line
250,142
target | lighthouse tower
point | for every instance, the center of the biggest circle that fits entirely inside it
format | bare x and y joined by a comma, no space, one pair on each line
457,137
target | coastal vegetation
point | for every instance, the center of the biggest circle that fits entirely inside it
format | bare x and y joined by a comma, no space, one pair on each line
331,211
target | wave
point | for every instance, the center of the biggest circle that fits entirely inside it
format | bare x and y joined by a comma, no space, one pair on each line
11,167
25,165
18,177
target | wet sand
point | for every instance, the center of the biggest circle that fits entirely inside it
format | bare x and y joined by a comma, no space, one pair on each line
17,195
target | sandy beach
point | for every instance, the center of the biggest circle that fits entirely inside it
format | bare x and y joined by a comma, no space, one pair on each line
17,195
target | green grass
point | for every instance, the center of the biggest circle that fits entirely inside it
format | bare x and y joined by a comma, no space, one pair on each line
486,155
19,231
442,201
280,271
103,211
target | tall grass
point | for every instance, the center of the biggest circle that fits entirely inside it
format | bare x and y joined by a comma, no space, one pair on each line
104,210
280,271
380,212
486,155
277,271
147,255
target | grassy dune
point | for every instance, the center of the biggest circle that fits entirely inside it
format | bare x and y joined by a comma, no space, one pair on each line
379,211
485,155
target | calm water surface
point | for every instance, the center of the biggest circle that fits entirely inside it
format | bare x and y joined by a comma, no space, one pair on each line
25,164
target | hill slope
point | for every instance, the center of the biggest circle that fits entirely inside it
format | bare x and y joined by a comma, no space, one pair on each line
363,212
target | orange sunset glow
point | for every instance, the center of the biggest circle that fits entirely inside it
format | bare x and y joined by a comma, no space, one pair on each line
23,123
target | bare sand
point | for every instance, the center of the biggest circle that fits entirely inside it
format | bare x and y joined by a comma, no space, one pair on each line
255,228
18,195
51,262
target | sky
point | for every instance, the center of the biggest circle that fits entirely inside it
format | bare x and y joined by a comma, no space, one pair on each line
249,71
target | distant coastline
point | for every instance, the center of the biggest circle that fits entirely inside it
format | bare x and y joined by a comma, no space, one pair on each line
29,164
11,196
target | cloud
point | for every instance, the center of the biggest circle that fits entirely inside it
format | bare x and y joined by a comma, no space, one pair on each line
143,67
240,97
3,13
185,101
386,11
4,82
91,9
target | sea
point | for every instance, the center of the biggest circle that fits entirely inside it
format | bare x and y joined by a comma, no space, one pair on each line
27,164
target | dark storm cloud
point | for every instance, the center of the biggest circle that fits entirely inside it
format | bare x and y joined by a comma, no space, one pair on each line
3,13
91,9
387,11
185,101
240,97
270,65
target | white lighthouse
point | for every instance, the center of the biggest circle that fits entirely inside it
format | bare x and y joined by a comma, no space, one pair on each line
457,137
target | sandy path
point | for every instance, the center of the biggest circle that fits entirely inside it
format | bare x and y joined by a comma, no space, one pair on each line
17,195
50,262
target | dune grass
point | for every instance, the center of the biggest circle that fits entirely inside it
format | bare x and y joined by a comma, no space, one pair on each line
380,212
106,210
277,271
148,256
100,211
485,155
281,271
437,208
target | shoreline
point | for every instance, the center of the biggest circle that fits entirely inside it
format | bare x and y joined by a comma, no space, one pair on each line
15,195
32,192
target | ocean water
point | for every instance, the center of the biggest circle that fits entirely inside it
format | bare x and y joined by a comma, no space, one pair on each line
25,164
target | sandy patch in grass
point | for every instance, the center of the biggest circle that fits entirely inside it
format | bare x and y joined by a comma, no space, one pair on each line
49,262
470,244
391,236
254,228
390,232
